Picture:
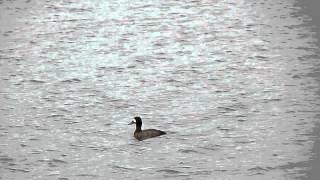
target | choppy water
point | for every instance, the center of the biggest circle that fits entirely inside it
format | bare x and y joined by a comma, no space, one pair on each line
229,80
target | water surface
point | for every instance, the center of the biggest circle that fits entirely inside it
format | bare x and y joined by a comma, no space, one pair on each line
230,81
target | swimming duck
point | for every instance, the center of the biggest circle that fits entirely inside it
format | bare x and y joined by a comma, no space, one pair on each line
144,134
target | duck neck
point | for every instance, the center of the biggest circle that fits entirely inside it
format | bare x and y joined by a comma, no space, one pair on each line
138,128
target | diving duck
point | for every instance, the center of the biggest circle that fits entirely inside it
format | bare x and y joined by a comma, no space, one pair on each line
144,134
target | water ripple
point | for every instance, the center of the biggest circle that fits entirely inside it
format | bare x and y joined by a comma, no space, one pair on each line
233,83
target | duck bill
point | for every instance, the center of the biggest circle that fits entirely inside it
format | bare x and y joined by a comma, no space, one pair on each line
132,122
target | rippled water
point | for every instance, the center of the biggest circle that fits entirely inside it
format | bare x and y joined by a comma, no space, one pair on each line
230,81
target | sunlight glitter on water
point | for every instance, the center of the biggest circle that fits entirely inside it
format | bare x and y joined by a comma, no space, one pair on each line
228,80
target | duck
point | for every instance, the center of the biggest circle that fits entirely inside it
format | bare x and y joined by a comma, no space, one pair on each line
144,134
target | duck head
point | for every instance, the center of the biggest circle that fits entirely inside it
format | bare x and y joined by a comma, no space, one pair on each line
138,122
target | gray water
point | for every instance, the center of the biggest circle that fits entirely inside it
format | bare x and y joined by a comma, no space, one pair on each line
230,81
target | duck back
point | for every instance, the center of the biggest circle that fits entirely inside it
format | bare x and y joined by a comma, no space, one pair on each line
148,133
